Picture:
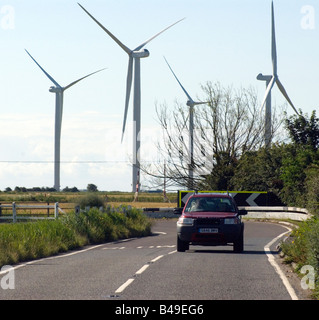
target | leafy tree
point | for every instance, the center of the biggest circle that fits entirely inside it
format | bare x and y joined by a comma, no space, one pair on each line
91,187
259,170
304,131
312,187
222,174
296,160
67,189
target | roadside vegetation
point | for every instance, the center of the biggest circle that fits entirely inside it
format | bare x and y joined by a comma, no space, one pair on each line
33,240
229,153
291,172
302,249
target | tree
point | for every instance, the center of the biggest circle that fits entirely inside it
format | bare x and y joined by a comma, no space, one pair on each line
312,187
304,131
91,187
296,160
260,170
227,127
67,189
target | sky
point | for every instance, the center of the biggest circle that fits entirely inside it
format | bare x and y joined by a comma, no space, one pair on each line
219,40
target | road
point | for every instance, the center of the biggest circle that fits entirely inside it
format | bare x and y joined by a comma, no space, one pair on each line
151,269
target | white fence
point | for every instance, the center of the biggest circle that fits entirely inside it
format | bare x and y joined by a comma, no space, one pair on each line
16,217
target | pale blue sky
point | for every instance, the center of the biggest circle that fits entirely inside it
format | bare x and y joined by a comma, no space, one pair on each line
220,40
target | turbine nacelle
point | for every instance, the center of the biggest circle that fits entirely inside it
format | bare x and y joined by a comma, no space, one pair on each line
263,78
190,103
140,54
55,89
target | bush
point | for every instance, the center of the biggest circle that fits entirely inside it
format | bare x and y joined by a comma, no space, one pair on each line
312,188
303,249
111,225
91,200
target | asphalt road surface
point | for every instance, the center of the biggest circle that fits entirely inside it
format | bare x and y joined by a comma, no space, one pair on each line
151,269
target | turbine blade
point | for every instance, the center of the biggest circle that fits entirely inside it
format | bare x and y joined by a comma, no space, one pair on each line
283,91
126,49
128,92
43,70
188,96
270,85
147,41
273,41
76,81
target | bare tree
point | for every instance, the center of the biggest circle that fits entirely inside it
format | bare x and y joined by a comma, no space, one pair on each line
229,125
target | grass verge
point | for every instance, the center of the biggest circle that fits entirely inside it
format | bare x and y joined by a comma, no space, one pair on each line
33,240
302,249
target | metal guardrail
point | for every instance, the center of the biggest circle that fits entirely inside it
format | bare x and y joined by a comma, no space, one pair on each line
290,213
15,216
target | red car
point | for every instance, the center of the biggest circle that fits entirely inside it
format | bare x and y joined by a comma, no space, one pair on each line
210,220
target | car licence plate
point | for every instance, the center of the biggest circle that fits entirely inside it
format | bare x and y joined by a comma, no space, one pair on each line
208,230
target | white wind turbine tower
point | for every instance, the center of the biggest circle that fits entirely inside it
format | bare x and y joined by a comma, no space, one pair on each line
135,54
270,81
58,90
191,103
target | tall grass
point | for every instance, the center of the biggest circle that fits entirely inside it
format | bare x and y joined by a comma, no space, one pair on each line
32,240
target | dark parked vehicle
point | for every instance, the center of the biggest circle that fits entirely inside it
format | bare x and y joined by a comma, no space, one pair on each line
210,220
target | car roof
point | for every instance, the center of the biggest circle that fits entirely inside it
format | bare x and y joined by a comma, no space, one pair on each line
211,195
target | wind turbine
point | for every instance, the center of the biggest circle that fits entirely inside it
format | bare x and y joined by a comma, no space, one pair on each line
191,103
270,81
58,90
135,54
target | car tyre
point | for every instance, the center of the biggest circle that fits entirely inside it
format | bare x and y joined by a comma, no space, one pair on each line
239,243
182,246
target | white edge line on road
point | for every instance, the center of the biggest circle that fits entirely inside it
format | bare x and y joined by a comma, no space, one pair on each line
50,258
272,261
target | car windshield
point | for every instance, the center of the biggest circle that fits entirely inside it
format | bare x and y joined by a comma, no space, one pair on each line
211,204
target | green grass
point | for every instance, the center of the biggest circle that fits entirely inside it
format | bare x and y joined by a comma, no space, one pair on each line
303,248
33,240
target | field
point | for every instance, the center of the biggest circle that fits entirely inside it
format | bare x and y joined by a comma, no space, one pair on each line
69,200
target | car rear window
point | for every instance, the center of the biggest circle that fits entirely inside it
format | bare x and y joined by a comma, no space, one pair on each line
213,204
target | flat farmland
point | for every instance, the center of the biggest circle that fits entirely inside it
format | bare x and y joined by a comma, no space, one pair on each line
69,200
